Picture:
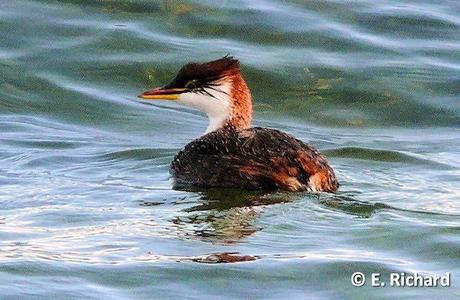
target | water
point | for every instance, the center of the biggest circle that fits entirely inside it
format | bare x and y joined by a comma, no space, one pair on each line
87,209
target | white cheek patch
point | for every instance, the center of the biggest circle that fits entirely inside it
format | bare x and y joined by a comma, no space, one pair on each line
215,102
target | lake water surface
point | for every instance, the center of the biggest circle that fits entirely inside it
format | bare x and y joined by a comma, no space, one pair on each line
86,205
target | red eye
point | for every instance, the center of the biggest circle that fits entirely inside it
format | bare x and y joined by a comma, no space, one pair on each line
191,85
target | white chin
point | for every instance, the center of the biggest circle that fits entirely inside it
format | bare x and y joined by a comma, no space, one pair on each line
217,106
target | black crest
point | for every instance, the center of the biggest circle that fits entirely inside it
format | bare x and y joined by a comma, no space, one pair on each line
205,73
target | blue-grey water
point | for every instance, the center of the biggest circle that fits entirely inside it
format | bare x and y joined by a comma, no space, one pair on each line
86,205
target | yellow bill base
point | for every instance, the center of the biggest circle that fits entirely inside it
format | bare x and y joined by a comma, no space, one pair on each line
160,97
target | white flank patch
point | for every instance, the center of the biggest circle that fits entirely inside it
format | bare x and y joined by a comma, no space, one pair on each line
311,184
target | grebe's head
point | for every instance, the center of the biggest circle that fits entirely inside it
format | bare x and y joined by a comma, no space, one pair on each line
216,88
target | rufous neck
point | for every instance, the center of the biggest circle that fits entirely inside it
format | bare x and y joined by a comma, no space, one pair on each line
241,104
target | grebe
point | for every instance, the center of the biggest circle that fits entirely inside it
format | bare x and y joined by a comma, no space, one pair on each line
231,154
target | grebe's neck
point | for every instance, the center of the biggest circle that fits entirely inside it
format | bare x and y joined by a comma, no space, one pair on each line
236,105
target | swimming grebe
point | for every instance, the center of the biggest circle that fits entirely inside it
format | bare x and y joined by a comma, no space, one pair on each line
231,154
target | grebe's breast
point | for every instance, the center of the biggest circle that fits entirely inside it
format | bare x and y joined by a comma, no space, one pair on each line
254,158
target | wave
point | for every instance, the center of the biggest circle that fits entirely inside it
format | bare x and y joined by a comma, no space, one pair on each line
383,156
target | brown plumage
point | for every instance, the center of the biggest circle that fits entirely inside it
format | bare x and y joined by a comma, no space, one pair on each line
253,158
233,155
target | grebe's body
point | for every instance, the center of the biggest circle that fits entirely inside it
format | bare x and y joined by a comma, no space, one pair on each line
253,158
232,154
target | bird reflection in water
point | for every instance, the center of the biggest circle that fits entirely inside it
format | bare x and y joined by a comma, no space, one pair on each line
226,216
229,215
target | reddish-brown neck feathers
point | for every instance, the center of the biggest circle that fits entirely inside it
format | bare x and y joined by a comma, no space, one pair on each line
241,103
